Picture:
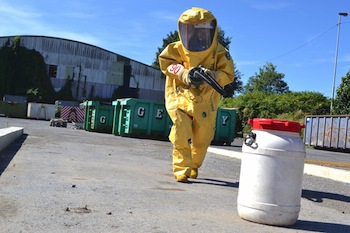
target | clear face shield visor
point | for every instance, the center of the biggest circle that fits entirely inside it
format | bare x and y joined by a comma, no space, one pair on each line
197,37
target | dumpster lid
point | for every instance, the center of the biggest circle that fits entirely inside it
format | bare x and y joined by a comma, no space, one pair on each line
272,124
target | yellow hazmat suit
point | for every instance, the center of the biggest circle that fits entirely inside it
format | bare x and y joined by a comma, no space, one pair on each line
193,108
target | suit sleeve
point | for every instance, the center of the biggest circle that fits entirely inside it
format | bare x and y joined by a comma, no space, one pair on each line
170,57
225,68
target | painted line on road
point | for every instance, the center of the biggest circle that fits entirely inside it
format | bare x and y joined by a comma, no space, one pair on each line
309,169
228,153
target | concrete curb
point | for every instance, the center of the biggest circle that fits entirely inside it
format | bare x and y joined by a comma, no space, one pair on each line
327,172
8,135
309,169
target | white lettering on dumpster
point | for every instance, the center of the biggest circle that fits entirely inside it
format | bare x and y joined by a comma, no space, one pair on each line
159,114
103,119
141,112
224,120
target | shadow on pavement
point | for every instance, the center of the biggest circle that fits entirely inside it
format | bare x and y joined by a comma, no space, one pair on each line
316,196
9,152
215,182
320,227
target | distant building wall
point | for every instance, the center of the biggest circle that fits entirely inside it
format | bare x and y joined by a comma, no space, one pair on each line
95,71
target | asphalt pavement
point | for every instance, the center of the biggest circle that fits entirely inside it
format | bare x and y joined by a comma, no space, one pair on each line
67,180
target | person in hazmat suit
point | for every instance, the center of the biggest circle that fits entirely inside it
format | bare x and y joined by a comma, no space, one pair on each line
191,103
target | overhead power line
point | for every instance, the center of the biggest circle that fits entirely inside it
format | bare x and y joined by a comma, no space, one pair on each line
308,42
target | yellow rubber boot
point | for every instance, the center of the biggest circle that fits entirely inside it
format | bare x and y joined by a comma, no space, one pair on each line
194,173
182,178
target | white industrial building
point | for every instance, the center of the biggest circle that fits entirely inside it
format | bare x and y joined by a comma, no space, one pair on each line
95,71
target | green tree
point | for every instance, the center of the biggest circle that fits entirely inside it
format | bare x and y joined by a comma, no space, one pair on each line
23,72
223,39
342,100
268,80
235,87
231,89
292,106
171,37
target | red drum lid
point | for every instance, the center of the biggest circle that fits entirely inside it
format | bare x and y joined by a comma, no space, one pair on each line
271,124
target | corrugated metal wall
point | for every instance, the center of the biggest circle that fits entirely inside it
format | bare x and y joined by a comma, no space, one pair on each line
96,71
327,131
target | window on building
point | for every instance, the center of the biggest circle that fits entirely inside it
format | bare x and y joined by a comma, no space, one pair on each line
52,71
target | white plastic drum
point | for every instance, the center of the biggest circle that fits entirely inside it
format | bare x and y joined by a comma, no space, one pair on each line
271,175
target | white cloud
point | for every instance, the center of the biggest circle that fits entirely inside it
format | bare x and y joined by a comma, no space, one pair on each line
86,38
18,19
17,12
248,63
167,16
78,15
24,20
345,58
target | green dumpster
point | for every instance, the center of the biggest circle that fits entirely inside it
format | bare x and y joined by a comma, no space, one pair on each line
116,117
158,120
225,130
143,118
11,109
98,118
88,105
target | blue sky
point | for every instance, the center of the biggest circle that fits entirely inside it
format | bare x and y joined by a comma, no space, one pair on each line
297,36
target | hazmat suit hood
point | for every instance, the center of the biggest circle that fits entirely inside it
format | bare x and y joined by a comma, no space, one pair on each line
198,30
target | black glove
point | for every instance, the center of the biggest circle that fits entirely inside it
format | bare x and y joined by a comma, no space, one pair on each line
194,77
